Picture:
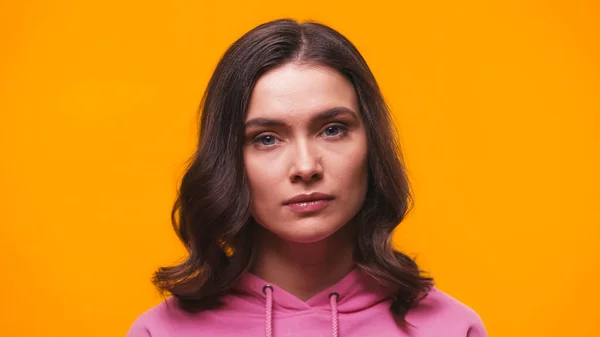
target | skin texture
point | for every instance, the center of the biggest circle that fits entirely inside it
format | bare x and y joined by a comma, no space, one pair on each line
304,253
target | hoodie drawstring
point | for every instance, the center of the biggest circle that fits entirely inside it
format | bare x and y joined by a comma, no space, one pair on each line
268,310
333,298
268,291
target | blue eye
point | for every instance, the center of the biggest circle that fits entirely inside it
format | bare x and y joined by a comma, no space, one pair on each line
265,140
334,130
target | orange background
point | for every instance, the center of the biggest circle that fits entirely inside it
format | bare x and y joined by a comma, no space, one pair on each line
497,105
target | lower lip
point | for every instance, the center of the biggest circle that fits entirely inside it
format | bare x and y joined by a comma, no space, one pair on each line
309,206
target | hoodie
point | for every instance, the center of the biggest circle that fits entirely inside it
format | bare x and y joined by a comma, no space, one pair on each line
353,307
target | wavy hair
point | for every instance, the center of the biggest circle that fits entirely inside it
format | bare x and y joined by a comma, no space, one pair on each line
211,213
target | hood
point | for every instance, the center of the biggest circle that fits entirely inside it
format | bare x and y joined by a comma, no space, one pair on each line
356,291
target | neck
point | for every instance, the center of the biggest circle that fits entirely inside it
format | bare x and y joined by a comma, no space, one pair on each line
303,269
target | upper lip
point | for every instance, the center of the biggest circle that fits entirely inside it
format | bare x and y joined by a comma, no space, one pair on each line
308,197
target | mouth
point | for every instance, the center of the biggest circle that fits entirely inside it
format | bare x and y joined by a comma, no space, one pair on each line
311,202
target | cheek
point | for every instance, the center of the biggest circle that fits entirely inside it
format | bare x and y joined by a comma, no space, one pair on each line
262,176
351,171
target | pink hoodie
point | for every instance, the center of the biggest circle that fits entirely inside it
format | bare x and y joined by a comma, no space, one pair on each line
351,308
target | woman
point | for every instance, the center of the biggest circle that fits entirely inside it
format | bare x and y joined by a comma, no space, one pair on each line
288,206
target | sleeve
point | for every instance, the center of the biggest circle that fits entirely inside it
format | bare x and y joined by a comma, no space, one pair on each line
138,329
477,328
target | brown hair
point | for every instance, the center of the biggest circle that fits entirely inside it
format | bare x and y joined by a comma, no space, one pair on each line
213,202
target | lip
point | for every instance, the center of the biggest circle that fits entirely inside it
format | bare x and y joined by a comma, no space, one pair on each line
304,198
309,202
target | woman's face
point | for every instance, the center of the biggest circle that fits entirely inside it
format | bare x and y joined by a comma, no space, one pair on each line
304,134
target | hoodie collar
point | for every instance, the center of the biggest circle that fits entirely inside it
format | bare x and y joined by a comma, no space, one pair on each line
357,291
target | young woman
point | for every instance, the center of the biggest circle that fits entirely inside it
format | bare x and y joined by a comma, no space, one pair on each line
288,206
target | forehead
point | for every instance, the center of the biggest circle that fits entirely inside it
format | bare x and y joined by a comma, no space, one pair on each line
293,90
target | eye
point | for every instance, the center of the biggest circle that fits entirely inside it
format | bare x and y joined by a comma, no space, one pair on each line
265,140
335,130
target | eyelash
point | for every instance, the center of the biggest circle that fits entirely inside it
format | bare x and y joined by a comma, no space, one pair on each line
343,130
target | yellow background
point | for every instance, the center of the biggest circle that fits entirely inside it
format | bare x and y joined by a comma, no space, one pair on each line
497,104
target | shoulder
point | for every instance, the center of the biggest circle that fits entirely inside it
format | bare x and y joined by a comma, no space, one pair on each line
439,311
156,318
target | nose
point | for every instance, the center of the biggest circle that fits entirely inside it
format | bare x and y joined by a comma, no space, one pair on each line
306,163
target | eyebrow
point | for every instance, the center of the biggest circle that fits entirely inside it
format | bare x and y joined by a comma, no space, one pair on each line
321,116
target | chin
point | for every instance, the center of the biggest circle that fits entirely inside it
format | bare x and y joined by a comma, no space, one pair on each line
307,239
304,231
308,234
